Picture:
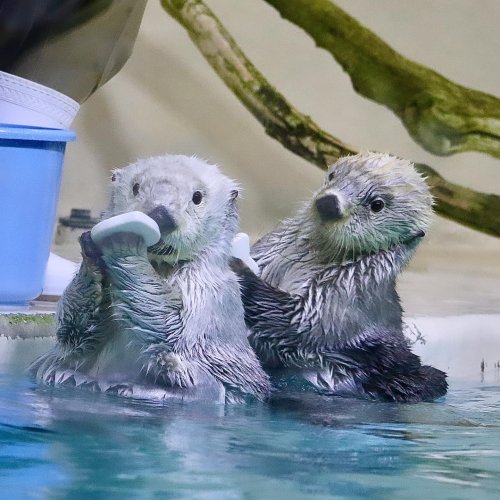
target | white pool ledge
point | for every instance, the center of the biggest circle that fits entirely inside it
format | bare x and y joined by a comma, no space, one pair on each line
467,347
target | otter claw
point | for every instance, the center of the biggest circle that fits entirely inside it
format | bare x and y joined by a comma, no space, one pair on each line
238,266
89,248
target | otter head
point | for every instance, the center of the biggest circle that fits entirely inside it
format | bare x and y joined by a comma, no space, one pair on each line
370,202
191,201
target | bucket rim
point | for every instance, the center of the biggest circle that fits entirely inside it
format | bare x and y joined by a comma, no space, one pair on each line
31,133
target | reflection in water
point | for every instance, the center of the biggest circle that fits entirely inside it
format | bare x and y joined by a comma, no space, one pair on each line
59,442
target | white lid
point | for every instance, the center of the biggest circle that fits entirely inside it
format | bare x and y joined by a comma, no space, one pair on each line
23,102
131,222
241,250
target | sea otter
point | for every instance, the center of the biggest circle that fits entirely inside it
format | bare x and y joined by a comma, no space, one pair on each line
166,320
325,305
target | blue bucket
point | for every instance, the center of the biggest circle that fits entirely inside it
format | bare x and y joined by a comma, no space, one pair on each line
31,160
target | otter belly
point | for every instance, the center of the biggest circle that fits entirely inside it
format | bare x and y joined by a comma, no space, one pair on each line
118,360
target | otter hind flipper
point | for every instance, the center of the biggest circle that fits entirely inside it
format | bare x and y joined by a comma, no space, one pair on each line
384,368
434,384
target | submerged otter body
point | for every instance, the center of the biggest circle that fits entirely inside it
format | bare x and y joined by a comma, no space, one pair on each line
325,305
164,321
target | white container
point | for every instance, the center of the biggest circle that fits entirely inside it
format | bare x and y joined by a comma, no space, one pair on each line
23,102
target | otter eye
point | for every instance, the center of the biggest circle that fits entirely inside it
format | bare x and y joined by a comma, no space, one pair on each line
197,197
377,205
135,189
113,178
330,176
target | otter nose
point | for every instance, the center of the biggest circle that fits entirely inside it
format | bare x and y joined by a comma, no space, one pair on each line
162,217
328,207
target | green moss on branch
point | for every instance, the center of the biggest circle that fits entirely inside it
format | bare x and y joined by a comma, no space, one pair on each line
281,120
442,116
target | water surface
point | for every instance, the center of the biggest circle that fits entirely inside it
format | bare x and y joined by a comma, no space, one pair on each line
68,443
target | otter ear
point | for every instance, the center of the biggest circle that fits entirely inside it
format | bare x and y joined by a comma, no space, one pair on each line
115,175
234,194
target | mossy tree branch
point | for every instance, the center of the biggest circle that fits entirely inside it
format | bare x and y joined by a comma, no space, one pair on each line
471,208
442,116
298,132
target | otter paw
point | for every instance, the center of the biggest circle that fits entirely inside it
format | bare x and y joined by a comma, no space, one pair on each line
90,250
169,361
123,245
170,369
238,266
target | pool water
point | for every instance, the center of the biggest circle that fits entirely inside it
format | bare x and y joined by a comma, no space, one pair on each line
70,443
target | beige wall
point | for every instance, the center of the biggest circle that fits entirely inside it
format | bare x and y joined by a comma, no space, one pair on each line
167,99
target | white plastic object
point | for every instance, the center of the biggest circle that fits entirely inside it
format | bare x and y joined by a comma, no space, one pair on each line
23,102
58,275
131,222
241,250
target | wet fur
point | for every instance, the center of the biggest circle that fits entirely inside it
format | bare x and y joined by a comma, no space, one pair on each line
165,321
325,304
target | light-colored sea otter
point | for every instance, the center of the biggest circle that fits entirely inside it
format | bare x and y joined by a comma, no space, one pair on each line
164,321
325,305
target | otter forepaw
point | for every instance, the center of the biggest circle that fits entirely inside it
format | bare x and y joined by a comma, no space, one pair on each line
124,245
90,251
168,368
238,266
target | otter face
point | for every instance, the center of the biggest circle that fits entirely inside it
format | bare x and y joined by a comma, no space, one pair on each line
191,201
368,203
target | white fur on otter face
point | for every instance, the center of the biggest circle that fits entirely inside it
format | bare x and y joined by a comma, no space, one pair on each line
307,244
171,181
361,183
